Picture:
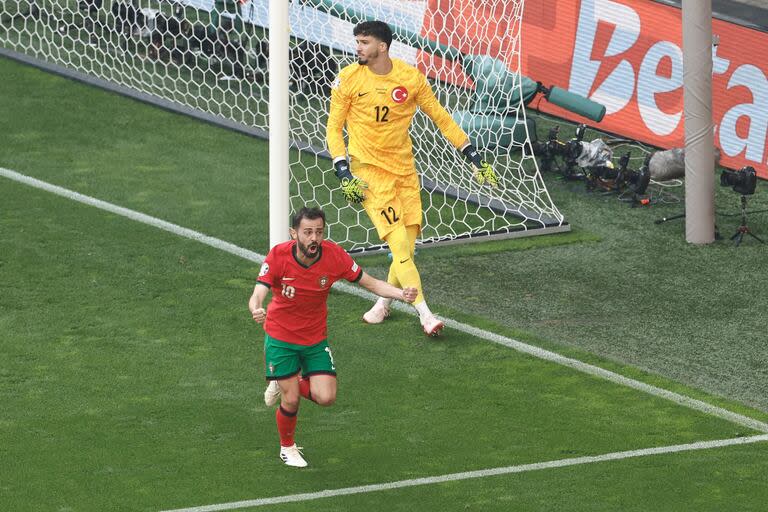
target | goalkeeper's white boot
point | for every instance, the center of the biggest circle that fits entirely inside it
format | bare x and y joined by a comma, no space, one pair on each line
431,325
377,313
291,456
272,393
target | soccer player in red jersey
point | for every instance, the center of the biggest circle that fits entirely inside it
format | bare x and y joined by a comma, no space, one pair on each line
299,362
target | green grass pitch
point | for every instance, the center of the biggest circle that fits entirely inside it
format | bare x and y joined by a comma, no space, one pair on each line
132,374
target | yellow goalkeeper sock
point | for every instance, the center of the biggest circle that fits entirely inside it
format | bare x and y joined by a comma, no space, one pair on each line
413,234
403,268
392,275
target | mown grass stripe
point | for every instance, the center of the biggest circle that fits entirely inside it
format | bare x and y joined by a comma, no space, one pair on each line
483,473
540,353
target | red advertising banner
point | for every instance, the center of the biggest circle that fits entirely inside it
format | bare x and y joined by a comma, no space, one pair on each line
627,55
455,23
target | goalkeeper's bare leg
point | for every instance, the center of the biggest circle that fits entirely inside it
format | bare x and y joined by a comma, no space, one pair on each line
403,272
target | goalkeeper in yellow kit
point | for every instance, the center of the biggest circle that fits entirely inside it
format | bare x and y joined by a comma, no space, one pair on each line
377,99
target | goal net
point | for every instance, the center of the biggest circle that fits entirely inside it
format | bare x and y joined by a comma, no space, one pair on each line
210,57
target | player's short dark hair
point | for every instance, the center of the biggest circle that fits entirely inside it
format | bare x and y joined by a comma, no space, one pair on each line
377,29
309,214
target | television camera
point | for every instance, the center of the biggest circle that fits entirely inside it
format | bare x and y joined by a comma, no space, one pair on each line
743,181
568,152
592,162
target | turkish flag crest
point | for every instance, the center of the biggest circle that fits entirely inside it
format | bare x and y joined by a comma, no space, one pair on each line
399,94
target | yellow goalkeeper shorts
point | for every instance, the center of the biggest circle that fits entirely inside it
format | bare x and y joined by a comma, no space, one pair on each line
391,199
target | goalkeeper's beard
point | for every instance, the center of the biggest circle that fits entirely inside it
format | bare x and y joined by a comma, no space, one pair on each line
363,61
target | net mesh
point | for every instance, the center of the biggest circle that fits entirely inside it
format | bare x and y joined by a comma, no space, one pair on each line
211,56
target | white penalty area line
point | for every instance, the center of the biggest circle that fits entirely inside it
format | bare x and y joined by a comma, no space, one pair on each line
483,473
537,352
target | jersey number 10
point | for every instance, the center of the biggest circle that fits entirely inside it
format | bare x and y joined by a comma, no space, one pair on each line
289,291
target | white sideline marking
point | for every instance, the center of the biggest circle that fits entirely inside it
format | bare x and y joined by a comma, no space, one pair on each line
133,215
540,353
452,477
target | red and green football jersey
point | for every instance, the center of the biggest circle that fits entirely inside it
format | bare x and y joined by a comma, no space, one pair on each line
298,312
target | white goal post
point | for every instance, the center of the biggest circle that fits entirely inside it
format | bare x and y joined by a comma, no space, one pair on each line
456,209
265,67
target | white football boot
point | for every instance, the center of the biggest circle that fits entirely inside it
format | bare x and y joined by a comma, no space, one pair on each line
272,393
292,456
377,313
431,325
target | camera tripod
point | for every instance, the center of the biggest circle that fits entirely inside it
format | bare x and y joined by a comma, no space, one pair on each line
671,217
682,216
739,234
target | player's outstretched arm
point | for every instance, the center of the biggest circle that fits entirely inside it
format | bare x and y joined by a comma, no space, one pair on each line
255,303
352,187
384,289
484,173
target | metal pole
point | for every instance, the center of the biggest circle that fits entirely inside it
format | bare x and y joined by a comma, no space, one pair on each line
279,169
699,137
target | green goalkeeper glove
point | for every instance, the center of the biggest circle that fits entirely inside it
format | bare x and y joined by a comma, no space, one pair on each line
484,173
351,187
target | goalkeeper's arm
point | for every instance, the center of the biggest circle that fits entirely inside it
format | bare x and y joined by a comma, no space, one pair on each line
351,187
484,173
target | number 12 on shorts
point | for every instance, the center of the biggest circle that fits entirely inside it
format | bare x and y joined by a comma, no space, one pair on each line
390,214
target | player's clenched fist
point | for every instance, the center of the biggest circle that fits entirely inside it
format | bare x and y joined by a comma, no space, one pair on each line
259,315
409,294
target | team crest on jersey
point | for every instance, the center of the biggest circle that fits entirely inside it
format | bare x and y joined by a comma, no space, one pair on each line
399,94
264,270
323,281
354,266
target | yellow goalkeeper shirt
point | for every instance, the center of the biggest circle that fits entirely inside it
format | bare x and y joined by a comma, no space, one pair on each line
378,110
